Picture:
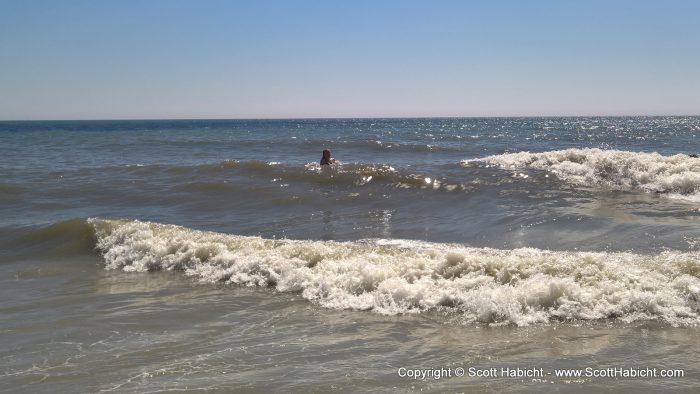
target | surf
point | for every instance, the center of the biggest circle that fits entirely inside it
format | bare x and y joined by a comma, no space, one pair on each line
677,176
520,287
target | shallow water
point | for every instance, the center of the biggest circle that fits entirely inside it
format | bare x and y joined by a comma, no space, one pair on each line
435,244
130,332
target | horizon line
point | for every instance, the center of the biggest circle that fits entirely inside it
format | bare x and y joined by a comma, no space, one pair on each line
345,117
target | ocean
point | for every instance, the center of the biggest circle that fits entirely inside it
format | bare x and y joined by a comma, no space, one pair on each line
218,255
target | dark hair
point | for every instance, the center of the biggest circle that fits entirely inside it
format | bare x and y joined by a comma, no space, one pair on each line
325,157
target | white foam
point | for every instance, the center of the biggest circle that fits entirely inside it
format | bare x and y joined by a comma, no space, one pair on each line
520,286
678,175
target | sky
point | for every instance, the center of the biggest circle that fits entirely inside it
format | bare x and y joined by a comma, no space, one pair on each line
162,59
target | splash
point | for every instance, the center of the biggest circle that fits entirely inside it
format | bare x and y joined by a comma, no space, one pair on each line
678,175
521,286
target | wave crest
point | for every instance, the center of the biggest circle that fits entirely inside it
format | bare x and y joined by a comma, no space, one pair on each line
58,240
650,172
520,286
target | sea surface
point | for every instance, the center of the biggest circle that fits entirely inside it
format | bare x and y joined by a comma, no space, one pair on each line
217,255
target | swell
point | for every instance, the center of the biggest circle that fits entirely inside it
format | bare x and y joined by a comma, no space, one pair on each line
678,175
351,174
520,286
381,145
10,189
364,144
63,239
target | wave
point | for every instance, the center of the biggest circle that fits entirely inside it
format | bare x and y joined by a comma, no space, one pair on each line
10,189
359,174
521,286
348,174
63,239
380,145
677,175
201,168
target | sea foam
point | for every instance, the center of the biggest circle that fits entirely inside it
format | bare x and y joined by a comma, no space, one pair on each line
520,286
678,175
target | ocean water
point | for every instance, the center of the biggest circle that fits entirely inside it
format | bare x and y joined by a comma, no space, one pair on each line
217,255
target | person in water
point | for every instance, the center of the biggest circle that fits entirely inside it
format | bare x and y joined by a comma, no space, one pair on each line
326,158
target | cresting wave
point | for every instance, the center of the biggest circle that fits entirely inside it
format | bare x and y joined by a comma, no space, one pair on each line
68,238
678,175
521,286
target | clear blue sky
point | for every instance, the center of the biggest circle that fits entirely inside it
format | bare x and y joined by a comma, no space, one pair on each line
66,59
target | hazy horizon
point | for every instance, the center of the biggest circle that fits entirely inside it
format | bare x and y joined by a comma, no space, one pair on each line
158,60
346,117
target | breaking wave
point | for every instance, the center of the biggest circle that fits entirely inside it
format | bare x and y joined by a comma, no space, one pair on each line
678,175
521,286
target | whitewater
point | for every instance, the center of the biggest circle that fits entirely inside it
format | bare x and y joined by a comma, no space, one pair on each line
678,175
521,286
